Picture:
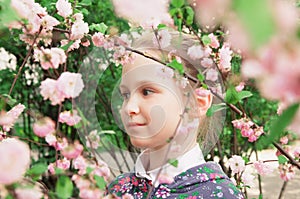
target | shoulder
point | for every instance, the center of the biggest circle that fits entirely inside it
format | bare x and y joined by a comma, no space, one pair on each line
208,181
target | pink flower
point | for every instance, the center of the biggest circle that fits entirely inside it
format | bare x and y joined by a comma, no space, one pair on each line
296,152
81,182
214,42
61,144
72,150
70,118
212,75
287,172
98,39
63,164
78,29
262,168
248,179
225,58
166,179
237,164
8,119
247,132
14,158
284,140
85,43
48,22
50,58
162,39
93,139
102,170
81,164
202,92
240,87
73,46
43,127
49,91
123,57
71,84
195,52
164,72
145,13
51,139
29,192
64,8
206,62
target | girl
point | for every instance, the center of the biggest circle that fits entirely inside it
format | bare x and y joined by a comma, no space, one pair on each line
164,113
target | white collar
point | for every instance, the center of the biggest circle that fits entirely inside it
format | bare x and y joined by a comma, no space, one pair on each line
188,160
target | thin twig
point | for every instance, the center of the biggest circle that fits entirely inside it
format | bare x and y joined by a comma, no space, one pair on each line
282,189
24,61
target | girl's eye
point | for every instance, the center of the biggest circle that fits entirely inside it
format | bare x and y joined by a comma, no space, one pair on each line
125,95
147,92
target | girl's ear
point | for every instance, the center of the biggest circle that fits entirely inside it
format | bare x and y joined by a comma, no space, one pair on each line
204,100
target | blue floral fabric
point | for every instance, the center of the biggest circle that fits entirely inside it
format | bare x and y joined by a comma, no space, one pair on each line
204,181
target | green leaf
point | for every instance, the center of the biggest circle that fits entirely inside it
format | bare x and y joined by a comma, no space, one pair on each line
37,169
190,15
177,66
101,27
161,26
177,3
66,47
200,77
86,2
206,40
244,94
9,197
173,162
231,96
215,108
261,25
89,170
278,126
282,159
64,187
100,182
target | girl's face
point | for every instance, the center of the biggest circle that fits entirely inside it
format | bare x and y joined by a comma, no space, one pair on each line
152,104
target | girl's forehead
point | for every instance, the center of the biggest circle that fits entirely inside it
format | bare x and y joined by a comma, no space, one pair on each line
138,61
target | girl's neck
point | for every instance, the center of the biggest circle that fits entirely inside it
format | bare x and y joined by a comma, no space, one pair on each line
154,159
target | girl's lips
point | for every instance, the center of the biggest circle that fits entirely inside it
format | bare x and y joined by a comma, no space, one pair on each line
135,124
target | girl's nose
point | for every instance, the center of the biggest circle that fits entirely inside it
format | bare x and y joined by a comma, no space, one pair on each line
133,106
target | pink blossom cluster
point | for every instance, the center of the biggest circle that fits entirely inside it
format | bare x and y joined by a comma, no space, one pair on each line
38,21
50,58
85,181
122,56
7,119
262,168
286,171
68,85
69,117
248,129
93,140
15,160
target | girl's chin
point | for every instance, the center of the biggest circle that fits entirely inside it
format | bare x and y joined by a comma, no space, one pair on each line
145,144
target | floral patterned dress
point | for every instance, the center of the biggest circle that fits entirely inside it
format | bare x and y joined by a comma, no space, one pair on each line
204,181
